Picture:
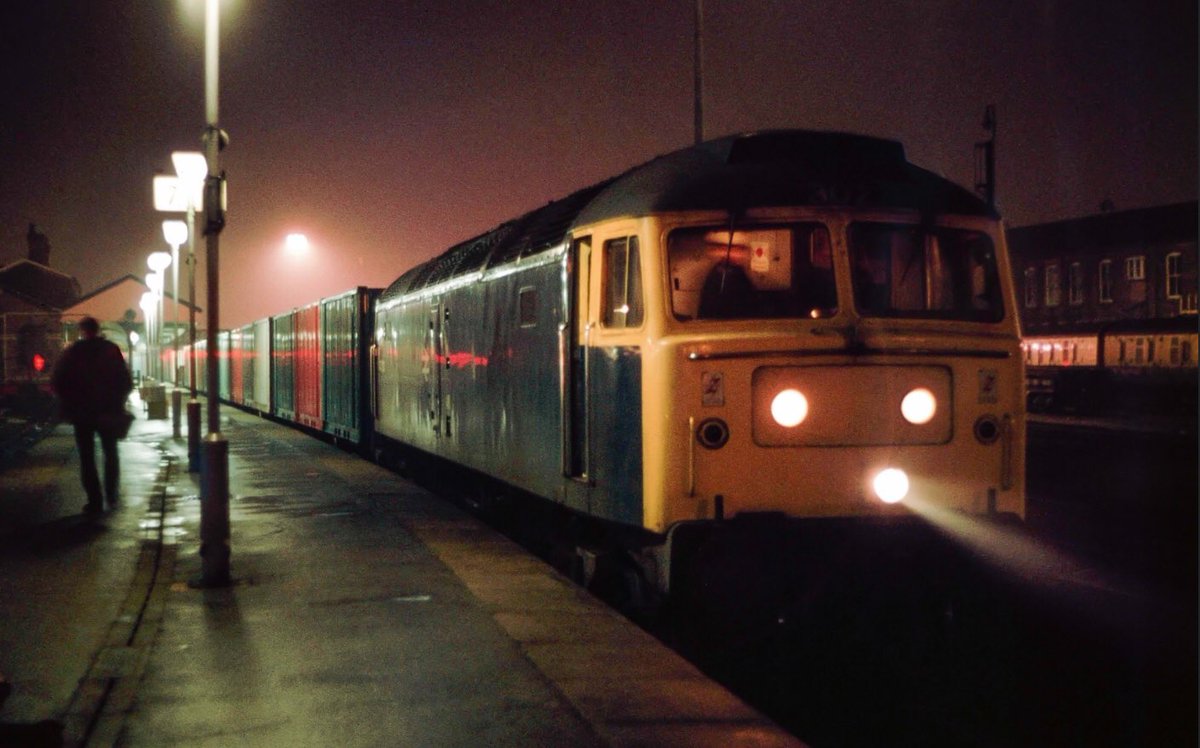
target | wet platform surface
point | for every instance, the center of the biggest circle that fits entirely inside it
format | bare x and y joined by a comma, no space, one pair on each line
364,611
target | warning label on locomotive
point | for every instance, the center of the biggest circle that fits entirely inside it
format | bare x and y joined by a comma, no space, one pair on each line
987,385
712,385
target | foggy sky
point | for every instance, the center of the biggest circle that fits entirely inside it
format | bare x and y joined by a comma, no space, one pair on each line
387,131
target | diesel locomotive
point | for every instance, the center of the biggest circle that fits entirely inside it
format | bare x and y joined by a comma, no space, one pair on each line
789,324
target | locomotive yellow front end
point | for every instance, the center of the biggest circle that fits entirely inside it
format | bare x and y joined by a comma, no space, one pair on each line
833,363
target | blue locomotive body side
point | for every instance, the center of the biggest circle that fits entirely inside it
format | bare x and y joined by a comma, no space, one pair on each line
472,373
616,458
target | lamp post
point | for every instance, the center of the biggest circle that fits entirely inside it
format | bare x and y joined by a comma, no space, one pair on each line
175,232
154,282
214,473
159,262
132,338
148,304
191,168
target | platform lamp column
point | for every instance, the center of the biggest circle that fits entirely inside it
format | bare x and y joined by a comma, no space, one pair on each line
214,470
148,304
175,232
191,169
154,282
159,262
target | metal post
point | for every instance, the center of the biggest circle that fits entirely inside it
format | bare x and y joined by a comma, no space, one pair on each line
985,160
193,406
214,474
176,395
698,72
162,318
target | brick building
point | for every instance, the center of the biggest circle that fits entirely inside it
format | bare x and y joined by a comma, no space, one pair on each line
1082,273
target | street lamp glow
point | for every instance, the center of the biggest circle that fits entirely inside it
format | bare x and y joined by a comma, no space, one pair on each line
159,261
191,168
175,232
296,244
154,282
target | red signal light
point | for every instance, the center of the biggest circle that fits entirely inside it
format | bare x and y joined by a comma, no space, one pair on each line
39,362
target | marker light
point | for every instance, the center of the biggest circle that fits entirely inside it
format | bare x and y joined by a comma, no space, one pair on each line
789,408
891,485
918,406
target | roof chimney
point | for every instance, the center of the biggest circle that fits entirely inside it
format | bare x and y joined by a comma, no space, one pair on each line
39,246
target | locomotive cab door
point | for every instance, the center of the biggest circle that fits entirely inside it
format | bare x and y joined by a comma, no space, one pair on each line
576,442
432,370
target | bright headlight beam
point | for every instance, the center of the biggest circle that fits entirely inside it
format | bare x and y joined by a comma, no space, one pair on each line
918,406
789,408
891,485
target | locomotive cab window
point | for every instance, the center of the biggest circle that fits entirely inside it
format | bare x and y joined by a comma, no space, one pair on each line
622,283
902,270
752,273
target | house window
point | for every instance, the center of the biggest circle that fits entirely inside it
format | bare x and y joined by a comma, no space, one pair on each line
1075,284
1053,287
1031,291
1173,275
1105,282
1135,268
622,283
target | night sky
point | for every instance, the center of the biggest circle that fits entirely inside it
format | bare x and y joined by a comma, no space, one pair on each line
388,130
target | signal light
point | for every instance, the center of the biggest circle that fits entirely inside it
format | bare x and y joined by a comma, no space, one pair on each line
39,362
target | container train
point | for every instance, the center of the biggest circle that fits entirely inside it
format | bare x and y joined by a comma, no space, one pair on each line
792,325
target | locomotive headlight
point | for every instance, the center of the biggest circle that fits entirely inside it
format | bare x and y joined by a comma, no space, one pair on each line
918,406
789,408
891,485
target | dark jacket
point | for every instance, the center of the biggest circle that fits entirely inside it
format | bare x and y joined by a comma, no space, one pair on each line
90,379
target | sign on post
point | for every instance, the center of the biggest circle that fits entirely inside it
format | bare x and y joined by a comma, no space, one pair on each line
170,195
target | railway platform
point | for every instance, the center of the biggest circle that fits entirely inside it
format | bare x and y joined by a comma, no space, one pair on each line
364,611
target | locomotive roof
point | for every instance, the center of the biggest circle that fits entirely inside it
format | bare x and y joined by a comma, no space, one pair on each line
734,173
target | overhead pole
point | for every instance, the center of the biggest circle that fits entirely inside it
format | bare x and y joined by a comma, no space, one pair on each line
214,469
985,159
698,72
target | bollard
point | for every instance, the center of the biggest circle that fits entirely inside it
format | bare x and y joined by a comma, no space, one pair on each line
176,399
193,420
214,512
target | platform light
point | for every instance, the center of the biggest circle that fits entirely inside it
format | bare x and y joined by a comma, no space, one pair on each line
918,406
891,485
789,408
191,167
296,244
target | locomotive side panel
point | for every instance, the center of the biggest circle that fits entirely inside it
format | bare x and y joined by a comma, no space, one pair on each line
470,373
402,399
500,397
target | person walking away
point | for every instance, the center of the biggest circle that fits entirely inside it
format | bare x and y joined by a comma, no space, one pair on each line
92,382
